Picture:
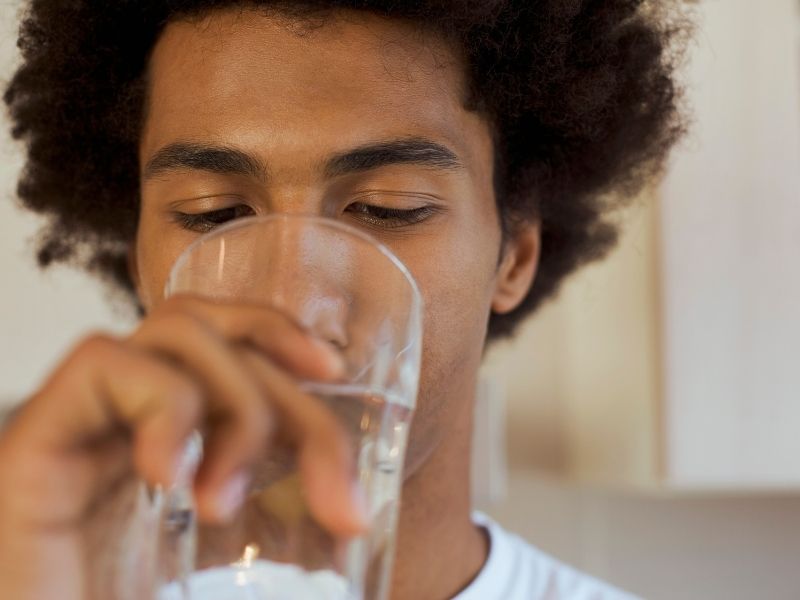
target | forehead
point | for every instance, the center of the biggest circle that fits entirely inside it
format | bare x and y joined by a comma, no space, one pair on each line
254,76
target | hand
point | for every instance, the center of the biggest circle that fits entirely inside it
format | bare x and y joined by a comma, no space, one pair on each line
118,409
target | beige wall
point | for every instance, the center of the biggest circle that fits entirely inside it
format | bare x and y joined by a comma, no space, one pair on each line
664,548
730,245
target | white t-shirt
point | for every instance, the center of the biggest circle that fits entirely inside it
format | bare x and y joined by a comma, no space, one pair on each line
516,570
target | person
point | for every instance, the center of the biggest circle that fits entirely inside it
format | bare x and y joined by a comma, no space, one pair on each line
480,140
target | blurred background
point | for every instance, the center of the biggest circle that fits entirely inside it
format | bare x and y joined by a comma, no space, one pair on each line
644,426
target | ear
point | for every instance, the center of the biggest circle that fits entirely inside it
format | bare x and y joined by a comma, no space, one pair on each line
517,270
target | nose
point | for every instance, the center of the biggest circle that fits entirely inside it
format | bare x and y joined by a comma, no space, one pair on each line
319,311
305,276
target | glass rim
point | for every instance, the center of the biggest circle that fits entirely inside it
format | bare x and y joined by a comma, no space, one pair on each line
243,222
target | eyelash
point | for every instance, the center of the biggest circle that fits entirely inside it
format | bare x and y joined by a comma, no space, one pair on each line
378,216
204,222
389,218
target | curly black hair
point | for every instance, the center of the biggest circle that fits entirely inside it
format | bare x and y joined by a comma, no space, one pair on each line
581,95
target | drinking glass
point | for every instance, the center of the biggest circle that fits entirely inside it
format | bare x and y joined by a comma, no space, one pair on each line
343,286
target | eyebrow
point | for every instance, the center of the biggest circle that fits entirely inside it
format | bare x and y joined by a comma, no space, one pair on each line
203,157
225,160
416,151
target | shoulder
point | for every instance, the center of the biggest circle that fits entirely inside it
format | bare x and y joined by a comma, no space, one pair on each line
515,570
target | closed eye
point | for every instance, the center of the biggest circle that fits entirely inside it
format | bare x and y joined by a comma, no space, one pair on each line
378,216
206,221
381,216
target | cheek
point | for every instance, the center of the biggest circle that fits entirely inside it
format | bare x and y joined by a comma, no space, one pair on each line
456,315
455,275
157,249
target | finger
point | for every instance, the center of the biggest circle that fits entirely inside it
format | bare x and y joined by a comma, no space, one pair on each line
105,389
326,453
282,339
237,413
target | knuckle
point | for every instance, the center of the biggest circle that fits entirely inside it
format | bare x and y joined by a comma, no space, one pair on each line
183,303
171,325
94,345
256,318
255,362
256,429
184,323
263,422
211,314
256,416
185,393
185,407
270,319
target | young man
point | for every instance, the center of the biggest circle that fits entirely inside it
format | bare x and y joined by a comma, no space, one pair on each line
474,138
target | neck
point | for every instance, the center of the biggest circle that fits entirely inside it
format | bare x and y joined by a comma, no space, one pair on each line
439,549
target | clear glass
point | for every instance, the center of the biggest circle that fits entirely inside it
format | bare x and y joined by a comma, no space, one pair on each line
345,287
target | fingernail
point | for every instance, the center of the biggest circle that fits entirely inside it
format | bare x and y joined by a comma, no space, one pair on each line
334,359
232,495
185,464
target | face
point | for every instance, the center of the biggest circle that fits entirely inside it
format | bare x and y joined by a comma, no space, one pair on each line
250,113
